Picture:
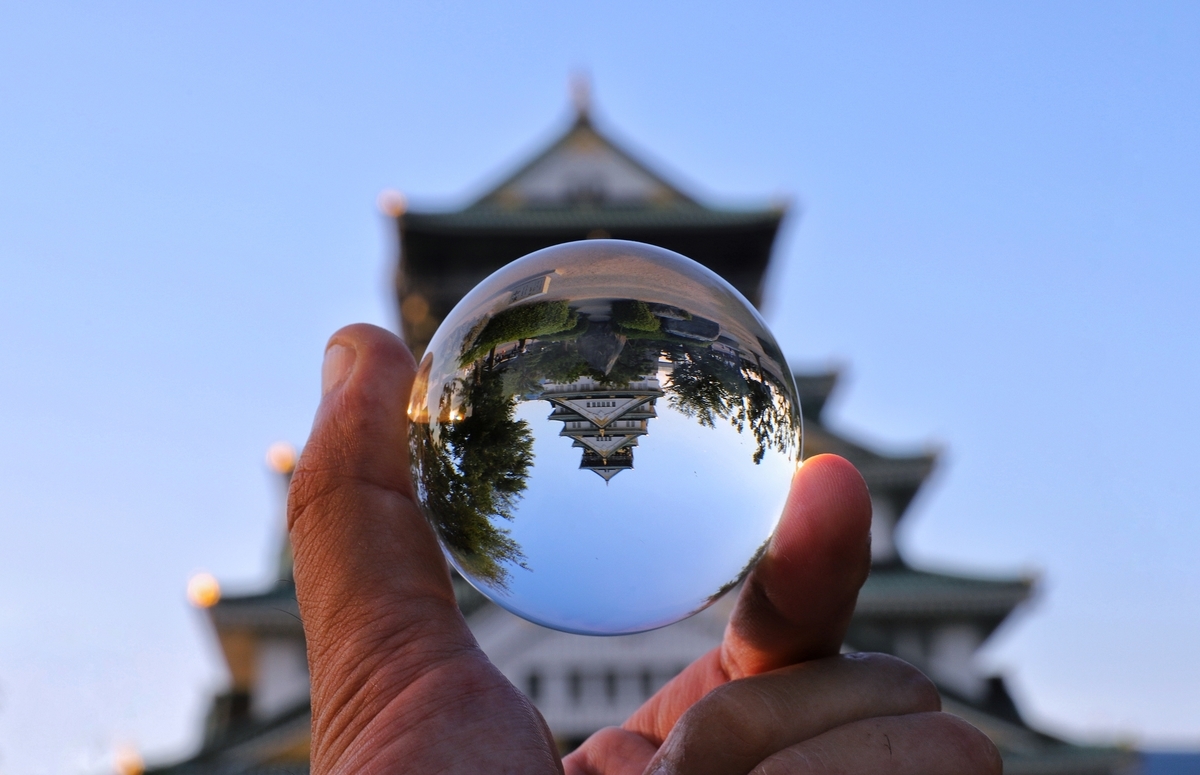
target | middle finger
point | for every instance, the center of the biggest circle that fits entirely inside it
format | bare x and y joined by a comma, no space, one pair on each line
741,723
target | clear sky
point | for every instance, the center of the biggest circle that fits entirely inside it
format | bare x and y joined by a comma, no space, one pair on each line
996,236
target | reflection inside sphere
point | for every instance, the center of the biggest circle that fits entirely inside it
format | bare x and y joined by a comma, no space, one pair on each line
603,435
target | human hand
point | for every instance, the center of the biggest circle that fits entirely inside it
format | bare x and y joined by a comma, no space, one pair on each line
398,683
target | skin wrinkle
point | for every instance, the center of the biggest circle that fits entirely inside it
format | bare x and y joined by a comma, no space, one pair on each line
345,442
355,620
349,696
366,480
357,487
325,602
764,707
428,708
386,643
346,481
359,642
915,744
744,705
334,442
369,654
428,614
485,690
415,700
726,728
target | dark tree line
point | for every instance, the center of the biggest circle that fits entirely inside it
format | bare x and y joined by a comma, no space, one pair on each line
472,472
707,385
527,321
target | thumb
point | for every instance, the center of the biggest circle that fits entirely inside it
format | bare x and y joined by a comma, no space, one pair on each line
373,586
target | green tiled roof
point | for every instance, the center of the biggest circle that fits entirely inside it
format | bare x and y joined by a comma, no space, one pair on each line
904,592
584,217
1029,752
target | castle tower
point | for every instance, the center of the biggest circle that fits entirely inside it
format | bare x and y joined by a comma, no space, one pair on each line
604,421
583,185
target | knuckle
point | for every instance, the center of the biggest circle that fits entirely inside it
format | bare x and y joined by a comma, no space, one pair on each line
797,760
306,488
353,642
606,737
971,746
910,684
313,502
734,712
611,749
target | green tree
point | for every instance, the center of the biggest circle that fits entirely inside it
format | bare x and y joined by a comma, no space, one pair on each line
769,413
704,384
472,471
634,315
636,362
527,321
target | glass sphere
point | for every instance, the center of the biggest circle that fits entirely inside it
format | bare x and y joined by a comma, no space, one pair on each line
603,435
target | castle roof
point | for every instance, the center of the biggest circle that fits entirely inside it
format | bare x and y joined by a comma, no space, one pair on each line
583,185
583,166
600,407
905,593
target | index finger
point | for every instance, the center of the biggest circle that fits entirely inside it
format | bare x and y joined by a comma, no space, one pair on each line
797,602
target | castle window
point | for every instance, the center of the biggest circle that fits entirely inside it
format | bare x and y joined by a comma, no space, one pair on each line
533,686
610,685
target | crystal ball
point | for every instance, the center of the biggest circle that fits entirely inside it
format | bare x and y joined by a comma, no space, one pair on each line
603,434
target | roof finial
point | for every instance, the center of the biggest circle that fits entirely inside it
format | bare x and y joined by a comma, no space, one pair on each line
581,94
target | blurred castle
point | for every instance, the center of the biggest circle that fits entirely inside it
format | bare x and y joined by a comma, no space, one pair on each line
604,423
584,185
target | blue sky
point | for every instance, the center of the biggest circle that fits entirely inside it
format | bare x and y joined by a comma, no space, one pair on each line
995,236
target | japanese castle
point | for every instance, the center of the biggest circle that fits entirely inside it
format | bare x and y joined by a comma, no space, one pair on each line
586,185
604,423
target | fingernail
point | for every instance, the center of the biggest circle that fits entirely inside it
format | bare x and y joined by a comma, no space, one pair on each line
339,361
